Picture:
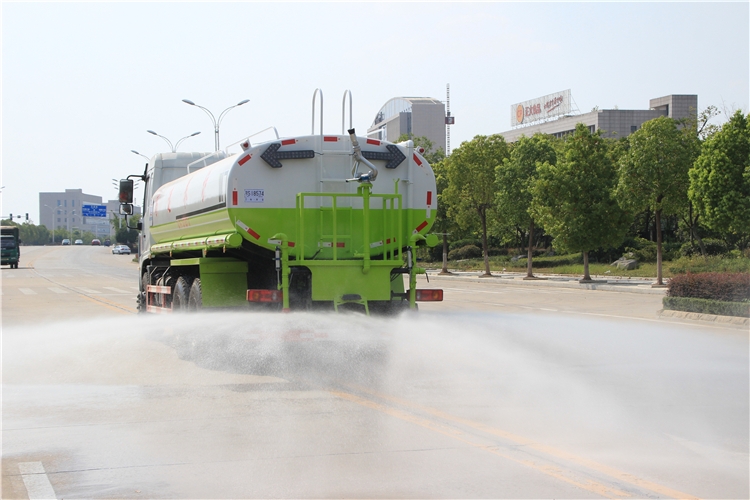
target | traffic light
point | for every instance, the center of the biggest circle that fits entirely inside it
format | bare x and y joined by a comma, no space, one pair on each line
11,217
27,217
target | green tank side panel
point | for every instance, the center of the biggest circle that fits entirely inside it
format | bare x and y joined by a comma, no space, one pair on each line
317,237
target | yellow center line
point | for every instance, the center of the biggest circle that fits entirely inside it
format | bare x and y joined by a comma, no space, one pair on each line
550,470
549,450
108,304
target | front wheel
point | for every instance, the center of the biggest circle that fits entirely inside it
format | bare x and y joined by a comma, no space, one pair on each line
195,302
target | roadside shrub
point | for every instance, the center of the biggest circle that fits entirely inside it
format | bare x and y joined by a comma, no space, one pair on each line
728,287
715,246
465,252
704,306
642,251
454,245
716,264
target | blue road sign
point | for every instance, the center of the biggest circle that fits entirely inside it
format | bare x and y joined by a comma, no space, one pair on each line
94,210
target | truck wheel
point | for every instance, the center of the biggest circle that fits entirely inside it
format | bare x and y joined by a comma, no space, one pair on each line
180,295
195,302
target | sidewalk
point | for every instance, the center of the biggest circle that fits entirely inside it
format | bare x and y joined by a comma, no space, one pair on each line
611,284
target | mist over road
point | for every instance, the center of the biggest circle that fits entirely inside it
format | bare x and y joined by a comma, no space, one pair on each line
502,391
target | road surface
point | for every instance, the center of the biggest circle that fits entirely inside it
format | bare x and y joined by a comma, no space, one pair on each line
503,391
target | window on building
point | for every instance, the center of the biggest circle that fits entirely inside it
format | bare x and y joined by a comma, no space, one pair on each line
58,203
72,203
633,128
58,219
66,202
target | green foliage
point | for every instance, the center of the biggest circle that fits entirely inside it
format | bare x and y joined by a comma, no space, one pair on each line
643,250
470,193
574,200
698,264
705,306
465,252
720,178
517,174
654,172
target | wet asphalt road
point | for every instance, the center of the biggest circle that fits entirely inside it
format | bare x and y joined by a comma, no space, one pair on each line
502,391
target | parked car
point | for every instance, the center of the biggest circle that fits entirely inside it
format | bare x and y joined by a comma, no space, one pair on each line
79,242
66,241
95,242
121,249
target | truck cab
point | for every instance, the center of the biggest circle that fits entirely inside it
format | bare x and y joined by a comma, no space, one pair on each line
10,250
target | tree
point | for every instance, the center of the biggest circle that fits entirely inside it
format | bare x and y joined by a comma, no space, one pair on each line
470,194
514,178
720,179
654,173
574,200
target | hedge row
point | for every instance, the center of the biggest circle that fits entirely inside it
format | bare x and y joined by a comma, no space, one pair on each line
728,287
704,306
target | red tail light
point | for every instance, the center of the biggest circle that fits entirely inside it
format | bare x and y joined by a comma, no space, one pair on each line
434,295
265,295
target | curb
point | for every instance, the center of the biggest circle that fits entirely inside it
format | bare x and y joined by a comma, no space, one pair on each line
628,286
714,318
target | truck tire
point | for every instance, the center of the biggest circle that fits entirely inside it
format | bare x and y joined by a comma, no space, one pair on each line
180,295
195,302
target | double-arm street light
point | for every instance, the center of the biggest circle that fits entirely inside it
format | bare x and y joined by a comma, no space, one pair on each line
173,148
216,122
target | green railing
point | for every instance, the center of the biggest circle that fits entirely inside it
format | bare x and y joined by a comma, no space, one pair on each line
392,224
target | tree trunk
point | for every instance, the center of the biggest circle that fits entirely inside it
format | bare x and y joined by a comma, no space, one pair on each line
657,223
445,254
586,275
529,273
485,247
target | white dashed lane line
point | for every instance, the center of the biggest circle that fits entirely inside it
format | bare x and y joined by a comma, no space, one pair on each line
27,291
56,290
36,481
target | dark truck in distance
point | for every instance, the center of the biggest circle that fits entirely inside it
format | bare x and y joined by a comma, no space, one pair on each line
10,251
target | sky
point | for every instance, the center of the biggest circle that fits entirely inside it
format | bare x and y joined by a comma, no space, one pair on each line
83,82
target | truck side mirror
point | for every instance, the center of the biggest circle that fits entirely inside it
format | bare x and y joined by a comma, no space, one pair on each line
126,191
126,209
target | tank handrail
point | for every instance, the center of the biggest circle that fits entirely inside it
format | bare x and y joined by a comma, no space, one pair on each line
203,159
226,149
315,94
343,110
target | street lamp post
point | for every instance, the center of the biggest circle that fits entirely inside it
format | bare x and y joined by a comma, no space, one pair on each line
216,122
53,222
177,145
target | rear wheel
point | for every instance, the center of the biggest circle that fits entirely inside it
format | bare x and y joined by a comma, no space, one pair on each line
180,294
195,302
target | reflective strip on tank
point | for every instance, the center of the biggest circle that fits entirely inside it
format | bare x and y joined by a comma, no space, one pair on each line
244,159
417,160
376,244
249,231
374,142
288,142
420,227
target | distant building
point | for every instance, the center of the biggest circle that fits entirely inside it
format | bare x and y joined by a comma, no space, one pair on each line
414,116
613,123
70,209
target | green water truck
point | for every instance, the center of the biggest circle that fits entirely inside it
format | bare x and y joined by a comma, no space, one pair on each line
315,222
